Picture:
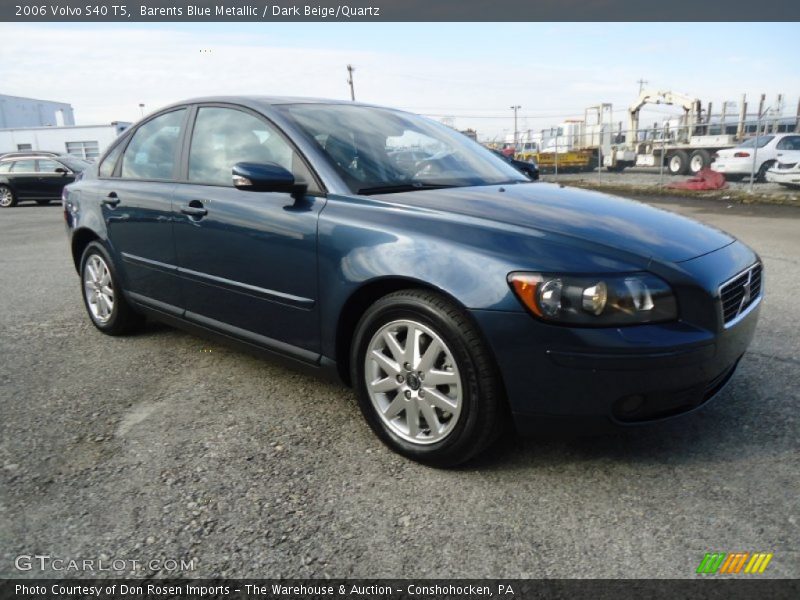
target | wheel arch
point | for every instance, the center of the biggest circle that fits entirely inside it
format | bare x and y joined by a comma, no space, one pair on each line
366,295
80,239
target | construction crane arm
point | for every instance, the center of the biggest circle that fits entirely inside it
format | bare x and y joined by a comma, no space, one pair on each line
690,106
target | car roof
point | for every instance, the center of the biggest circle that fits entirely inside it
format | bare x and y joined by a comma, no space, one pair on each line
266,101
30,153
7,158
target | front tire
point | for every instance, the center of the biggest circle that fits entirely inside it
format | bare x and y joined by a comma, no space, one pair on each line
425,381
105,303
7,197
761,176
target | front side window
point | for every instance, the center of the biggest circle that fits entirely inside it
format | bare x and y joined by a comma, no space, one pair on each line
49,166
5,167
24,166
791,142
378,150
151,152
223,137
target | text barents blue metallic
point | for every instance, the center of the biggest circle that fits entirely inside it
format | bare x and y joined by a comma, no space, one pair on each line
445,286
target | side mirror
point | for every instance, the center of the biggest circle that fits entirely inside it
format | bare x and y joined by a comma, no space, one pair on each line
61,170
265,177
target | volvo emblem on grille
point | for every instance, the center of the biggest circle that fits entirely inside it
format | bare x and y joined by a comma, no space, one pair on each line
747,292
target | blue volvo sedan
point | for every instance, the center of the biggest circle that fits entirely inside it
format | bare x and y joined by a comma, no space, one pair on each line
450,291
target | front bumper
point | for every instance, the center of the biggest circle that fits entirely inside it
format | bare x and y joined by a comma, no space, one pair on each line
785,177
621,377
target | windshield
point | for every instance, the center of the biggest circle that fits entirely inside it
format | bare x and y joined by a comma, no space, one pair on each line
377,150
763,140
76,164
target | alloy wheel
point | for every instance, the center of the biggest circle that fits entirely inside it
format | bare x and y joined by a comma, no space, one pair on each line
413,382
6,197
98,289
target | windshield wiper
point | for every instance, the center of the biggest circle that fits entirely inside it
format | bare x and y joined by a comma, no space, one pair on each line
403,187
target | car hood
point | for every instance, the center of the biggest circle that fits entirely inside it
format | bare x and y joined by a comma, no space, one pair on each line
600,218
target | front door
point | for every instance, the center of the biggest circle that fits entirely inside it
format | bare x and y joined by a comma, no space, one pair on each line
247,260
52,182
26,179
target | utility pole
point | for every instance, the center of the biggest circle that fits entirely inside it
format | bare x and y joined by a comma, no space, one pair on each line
515,108
350,70
141,109
642,83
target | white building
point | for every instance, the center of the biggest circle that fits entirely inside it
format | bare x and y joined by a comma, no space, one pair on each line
16,111
83,141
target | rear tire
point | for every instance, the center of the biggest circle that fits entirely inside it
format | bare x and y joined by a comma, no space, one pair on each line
761,176
102,295
425,381
7,197
699,160
678,163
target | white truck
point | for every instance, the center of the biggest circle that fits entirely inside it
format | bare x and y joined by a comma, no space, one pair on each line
688,145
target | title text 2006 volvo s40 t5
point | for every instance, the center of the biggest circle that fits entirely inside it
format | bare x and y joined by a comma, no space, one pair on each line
449,291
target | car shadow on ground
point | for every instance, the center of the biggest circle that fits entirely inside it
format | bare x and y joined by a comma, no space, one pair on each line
738,421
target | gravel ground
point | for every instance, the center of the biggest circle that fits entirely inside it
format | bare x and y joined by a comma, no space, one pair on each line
165,446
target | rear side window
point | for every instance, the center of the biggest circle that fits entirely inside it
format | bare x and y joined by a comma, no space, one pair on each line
223,137
110,161
5,167
24,166
151,152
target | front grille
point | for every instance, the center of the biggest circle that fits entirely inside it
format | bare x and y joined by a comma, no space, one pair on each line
740,292
786,165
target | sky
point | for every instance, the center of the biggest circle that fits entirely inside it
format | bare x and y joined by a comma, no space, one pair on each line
471,73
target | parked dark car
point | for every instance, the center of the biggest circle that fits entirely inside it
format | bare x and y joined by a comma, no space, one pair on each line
449,295
527,167
35,177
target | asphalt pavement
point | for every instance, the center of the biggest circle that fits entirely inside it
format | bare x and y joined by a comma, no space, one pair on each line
163,446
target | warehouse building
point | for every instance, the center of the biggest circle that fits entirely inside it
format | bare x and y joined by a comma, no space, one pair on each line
16,111
83,141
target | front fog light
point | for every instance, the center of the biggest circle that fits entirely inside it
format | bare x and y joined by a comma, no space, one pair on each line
595,297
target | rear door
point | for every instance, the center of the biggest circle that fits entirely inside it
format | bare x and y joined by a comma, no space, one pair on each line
25,179
248,260
137,208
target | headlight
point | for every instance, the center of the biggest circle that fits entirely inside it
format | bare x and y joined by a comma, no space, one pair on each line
599,301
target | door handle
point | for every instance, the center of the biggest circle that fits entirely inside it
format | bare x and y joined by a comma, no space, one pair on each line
111,200
195,208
